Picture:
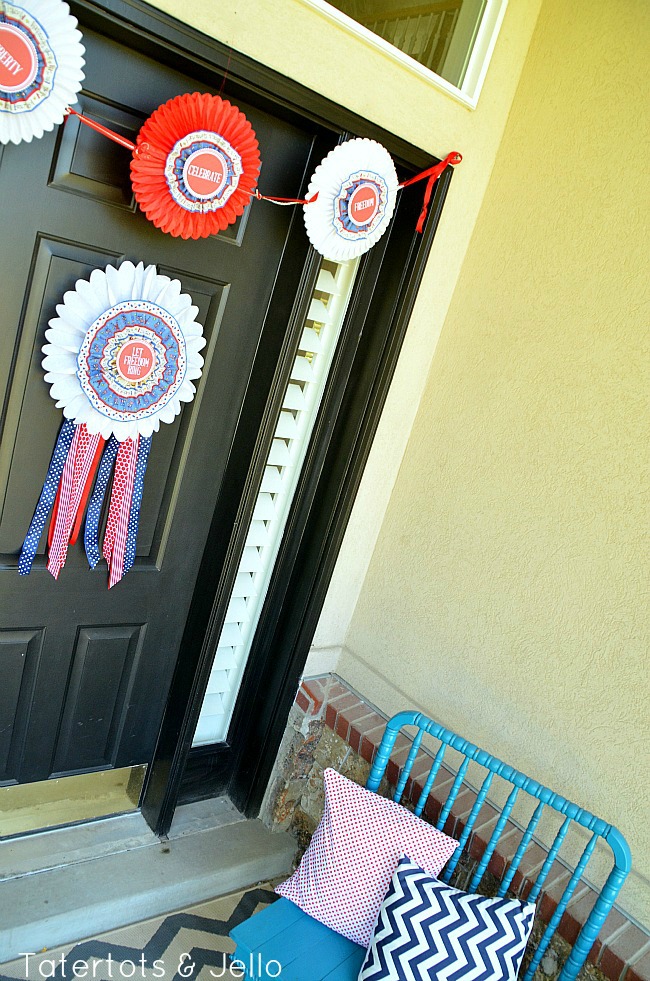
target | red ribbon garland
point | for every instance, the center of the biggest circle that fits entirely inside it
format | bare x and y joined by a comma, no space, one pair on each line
433,173
263,197
115,137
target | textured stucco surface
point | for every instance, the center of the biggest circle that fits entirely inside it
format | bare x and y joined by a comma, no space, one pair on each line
294,40
507,595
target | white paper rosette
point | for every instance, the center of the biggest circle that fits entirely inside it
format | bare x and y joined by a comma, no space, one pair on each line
41,62
123,351
357,187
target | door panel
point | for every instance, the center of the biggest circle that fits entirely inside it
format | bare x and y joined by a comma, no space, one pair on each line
20,653
84,671
104,658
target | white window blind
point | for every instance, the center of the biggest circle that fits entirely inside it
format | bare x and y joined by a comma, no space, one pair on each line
287,454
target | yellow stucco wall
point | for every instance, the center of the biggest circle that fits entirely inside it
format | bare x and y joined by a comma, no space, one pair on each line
507,595
504,592
291,38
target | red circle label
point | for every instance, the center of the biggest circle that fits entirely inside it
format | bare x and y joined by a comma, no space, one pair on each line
18,60
363,204
136,360
204,172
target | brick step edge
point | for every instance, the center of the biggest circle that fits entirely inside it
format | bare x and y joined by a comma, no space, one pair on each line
622,950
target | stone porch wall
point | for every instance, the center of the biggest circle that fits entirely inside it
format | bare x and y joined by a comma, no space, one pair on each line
332,725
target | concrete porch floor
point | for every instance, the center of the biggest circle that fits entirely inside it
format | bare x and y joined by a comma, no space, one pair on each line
67,884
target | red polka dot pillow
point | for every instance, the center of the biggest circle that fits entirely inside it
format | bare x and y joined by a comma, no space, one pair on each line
345,873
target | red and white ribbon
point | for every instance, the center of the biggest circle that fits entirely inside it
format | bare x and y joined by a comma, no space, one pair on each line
117,526
77,474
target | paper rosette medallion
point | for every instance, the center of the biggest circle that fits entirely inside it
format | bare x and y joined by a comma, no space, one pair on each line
195,166
357,186
41,62
123,351
121,358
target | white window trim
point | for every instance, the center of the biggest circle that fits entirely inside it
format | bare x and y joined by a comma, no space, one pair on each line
479,60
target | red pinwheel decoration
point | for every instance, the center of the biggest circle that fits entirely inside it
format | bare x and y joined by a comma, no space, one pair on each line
195,165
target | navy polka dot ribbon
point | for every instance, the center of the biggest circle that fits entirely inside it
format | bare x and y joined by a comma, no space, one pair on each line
91,530
46,500
136,501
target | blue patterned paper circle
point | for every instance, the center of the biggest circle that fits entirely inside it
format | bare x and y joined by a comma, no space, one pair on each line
360,205
132,361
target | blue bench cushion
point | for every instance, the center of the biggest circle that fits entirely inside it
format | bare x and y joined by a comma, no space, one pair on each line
303,947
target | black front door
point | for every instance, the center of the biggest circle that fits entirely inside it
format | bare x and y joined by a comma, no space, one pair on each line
84,671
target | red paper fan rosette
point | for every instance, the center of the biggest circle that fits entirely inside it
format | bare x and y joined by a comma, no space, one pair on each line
195,166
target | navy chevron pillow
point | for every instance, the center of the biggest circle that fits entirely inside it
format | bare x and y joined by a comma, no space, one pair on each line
427,930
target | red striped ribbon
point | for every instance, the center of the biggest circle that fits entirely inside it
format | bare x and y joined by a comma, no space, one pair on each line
76,476
117,526
84,499
74,534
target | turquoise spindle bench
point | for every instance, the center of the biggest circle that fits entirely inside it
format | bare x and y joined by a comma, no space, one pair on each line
282,934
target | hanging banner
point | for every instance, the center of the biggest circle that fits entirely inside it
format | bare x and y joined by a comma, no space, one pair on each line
193,184
355,188
122,356
195,165
41,62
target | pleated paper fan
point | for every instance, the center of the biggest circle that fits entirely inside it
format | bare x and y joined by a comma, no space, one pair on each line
123,351
356,185
121,358
41,62
196,165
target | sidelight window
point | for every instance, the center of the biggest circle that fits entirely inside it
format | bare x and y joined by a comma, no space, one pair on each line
287,454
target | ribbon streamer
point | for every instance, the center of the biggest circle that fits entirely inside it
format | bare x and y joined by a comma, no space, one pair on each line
68,482
114,547
433,173
118,508
84,500
134,516
77,473
91,530
46,499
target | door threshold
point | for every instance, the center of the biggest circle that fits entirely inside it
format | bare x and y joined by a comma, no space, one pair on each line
30,807
60,847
